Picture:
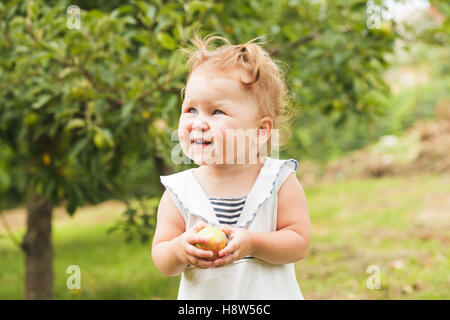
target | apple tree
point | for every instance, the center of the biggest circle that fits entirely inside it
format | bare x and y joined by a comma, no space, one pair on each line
79,107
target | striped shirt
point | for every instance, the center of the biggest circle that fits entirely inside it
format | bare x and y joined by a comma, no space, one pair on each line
228,210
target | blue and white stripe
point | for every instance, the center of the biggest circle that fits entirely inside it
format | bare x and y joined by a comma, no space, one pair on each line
228,210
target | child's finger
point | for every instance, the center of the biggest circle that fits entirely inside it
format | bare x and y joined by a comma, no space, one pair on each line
230,247
194,251
226,229
225,259
204,264
194,238
199,226
201,263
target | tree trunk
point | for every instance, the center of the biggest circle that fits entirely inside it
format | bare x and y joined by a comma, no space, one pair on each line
37,244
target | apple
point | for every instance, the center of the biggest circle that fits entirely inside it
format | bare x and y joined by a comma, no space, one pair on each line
217,240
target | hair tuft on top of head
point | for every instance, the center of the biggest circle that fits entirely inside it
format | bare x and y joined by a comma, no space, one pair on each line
262,76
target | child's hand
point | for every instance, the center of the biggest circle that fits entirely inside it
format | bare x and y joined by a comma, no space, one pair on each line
239,245
188,253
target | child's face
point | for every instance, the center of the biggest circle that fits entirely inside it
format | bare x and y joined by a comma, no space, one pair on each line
214,108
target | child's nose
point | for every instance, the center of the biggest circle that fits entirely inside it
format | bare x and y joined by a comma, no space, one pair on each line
200,124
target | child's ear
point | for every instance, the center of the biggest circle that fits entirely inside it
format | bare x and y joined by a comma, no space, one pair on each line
264,130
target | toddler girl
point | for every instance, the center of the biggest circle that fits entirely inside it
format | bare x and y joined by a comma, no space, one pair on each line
233,92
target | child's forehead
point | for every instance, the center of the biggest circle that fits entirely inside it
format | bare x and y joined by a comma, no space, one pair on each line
207,84
216,77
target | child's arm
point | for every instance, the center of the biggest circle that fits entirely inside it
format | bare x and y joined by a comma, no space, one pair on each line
288,244
291,240
172,247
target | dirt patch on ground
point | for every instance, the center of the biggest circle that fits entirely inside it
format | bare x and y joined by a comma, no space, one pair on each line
104,212
424,148
433,221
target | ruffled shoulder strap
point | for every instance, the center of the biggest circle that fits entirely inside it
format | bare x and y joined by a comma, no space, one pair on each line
188,196
271,177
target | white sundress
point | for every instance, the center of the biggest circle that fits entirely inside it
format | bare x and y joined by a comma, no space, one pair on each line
248,278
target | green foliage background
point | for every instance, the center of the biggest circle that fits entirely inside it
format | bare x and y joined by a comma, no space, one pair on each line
87,115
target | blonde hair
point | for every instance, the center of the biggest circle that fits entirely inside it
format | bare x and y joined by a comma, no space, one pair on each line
267,84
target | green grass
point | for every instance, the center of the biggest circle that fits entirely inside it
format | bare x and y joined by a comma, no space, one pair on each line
360,223
399,224
110,268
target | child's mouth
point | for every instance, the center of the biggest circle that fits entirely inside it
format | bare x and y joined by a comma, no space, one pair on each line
201,143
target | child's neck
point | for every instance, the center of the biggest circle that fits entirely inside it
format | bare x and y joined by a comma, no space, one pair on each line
231,171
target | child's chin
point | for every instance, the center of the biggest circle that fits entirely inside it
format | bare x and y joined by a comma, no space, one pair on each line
202,159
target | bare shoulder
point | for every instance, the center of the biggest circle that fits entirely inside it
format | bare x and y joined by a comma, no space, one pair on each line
292,207
170,222
291,189
167,206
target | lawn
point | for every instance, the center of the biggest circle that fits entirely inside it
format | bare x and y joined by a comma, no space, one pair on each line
400,225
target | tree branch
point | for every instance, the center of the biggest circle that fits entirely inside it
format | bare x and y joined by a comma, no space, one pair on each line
297,43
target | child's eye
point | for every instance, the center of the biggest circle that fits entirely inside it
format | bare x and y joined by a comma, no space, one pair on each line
193,110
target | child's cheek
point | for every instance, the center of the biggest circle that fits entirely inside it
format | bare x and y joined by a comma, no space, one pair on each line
183,133
220,138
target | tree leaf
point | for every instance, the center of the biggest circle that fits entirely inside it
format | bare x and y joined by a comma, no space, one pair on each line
126,109
166,41
43,99
75,123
